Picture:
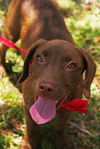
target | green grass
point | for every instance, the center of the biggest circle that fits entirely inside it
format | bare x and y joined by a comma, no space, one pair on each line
85,28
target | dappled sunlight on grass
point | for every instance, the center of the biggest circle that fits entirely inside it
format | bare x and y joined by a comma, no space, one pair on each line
9,93
11,115
10,140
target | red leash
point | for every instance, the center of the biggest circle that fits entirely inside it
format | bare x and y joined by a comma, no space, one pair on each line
76,104
10,44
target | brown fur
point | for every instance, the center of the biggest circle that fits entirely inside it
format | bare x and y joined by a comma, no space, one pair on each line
31,20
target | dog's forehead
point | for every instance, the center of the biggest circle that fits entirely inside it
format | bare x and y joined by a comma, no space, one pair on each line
60,48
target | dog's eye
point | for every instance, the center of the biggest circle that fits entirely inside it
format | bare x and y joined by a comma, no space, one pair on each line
71,66
40,59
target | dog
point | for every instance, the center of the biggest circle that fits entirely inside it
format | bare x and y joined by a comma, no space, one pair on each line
53,67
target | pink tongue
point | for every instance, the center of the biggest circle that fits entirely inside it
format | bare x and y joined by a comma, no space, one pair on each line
43,110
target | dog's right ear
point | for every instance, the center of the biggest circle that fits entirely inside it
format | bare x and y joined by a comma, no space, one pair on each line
28,58
90,69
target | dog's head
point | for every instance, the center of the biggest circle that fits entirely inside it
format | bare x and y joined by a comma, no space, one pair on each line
57,67
56,70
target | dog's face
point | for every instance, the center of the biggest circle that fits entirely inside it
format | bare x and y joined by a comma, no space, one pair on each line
56,67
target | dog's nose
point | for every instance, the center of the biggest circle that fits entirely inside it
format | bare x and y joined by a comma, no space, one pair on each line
45,87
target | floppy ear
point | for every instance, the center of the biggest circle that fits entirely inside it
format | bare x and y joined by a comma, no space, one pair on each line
28,58
90,69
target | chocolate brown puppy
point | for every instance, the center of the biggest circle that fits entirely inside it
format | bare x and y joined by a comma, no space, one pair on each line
53,68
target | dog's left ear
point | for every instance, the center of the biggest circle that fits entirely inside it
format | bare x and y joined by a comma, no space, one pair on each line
90,69
28,58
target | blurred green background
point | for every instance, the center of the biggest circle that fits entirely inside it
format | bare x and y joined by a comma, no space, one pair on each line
82,18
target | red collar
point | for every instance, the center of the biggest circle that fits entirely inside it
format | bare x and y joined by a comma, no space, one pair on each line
77,104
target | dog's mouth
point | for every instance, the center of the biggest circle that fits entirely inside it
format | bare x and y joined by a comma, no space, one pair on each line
44,110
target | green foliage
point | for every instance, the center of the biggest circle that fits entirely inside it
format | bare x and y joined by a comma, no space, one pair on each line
9,141
4,4
13,59
11,115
